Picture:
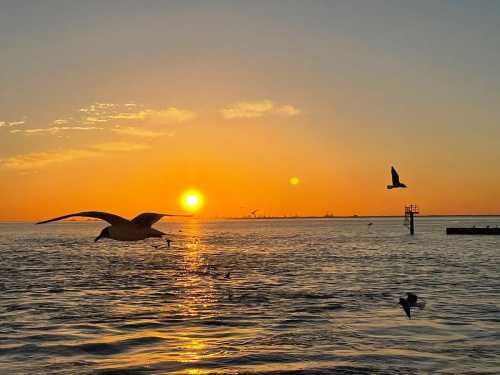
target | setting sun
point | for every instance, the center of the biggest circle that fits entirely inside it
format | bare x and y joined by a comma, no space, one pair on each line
192,200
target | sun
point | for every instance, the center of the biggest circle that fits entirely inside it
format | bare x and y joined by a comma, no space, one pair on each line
294,181
192,200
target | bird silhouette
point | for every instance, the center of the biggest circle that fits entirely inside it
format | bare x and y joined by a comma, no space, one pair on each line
395,180
406,306
121,229
411,301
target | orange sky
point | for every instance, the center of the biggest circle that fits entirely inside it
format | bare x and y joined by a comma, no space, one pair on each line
98,116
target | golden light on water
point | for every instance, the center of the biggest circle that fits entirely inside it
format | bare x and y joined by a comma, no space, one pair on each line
294,181
192,200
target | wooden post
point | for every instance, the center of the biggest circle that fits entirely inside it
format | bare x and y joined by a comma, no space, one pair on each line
410,211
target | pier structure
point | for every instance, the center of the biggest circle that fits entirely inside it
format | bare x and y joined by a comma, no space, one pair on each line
410,211
474,231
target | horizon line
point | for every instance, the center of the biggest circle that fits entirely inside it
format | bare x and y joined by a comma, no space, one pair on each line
288,217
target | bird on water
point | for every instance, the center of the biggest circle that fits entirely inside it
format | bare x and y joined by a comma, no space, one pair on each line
121,229
411,301
395,180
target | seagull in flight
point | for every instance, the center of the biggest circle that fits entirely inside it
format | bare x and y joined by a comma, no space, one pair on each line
395,180
139,228
411,301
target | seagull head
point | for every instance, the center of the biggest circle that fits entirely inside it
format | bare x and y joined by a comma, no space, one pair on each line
104,234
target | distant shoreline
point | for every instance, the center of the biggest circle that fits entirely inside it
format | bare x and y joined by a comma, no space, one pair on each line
349,217
290,218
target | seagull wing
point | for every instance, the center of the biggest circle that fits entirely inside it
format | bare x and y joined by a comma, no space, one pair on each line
110,218
395,177
149,218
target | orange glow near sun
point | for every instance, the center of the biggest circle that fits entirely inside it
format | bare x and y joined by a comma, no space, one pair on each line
192,200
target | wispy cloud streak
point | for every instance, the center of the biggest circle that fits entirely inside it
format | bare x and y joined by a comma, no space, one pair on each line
138,132
127,119
8,124
38,160
108,112
54,129
257,109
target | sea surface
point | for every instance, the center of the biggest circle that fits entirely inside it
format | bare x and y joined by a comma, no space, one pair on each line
315,296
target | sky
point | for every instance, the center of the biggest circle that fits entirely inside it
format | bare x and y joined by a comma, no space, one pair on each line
123,106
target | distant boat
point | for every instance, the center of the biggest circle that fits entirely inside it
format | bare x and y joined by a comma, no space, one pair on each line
474,230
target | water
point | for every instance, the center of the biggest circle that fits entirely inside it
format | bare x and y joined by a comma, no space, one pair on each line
303,297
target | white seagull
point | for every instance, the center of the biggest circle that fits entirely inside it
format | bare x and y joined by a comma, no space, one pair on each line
139,228
395,180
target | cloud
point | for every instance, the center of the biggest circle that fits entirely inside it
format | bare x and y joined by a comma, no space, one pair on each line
109,112
96,119
129,116
38,160
138,132
174,114
288,110
54,129
169,115
119,147
16,123
8,124
98,107
247,109
60,122
97,115
257,109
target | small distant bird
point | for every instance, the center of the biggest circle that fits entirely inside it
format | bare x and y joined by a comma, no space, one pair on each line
139,228
254,212
409,302
227,275
370,224
395,180
168,243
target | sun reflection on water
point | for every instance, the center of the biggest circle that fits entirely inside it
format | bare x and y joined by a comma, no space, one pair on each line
302,295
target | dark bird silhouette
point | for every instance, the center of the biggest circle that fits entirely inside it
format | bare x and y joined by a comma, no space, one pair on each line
139,228
254,212
395,180
411,301
227,275
406,306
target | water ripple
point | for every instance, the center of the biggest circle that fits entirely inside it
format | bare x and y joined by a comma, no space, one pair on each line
304,297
